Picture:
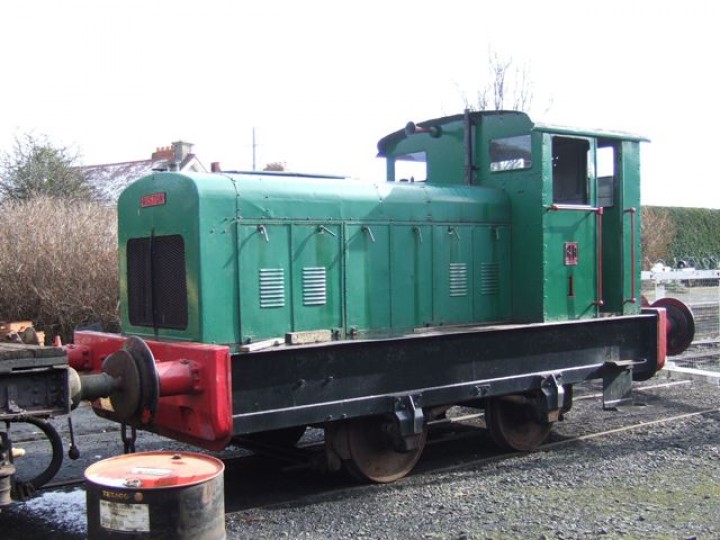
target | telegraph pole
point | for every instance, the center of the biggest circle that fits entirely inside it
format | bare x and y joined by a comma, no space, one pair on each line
253,149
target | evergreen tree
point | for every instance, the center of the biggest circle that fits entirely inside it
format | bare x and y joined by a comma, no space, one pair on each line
35,167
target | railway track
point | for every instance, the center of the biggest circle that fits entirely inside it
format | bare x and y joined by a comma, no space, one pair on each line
457,442
256,484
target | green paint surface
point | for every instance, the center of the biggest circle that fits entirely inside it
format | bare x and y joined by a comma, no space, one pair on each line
269,254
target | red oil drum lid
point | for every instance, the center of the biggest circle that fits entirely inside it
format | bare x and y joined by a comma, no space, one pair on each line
154,470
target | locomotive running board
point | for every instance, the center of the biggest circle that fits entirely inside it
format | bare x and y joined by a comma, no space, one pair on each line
327,382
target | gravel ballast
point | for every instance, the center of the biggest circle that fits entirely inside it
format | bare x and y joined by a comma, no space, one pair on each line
659,480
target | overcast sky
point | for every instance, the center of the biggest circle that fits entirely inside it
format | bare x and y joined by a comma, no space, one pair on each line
322,81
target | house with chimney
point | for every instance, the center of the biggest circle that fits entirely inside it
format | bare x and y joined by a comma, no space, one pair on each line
111,178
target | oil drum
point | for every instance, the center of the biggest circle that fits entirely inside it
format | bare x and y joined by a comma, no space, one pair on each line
156,495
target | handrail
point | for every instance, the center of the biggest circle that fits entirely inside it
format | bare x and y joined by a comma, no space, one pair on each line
600,301
632,211
579,207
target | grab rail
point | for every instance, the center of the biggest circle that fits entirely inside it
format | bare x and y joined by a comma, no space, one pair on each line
632,211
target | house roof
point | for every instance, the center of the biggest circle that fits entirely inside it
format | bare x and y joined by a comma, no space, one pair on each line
110,179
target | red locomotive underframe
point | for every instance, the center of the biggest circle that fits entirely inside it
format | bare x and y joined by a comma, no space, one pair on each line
195,386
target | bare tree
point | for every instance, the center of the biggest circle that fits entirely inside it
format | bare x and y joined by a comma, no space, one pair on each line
35,167
508,86
275,166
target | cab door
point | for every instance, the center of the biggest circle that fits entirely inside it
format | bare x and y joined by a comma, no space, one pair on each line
618,178
571,220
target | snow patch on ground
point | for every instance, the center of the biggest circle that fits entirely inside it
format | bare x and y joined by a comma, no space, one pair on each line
64,510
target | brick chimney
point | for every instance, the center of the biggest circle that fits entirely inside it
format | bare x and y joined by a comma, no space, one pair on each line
162,152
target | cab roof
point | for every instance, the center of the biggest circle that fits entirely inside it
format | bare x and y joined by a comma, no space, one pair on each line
389,140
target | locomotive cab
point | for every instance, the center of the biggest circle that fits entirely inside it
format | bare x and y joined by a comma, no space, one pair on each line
574,199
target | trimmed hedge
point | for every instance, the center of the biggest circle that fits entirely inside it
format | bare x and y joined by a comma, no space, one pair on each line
696,235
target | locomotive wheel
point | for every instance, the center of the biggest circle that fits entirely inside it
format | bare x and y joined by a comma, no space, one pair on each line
372,453
513,423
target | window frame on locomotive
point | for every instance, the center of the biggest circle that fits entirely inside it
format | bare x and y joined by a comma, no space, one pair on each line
510,153
411,164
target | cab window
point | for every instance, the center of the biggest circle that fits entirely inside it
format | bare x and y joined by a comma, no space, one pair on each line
570,170
411,167
606,175
510,153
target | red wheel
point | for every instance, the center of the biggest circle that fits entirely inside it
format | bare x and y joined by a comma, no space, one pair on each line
680,324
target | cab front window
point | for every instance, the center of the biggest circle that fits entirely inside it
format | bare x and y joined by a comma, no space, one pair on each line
411,167
510,153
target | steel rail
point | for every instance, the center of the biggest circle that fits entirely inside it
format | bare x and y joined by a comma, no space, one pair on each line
444,421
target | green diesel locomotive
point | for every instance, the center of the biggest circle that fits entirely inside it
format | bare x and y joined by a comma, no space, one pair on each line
497,266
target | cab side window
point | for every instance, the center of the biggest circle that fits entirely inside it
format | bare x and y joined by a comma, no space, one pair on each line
570,170
606,174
